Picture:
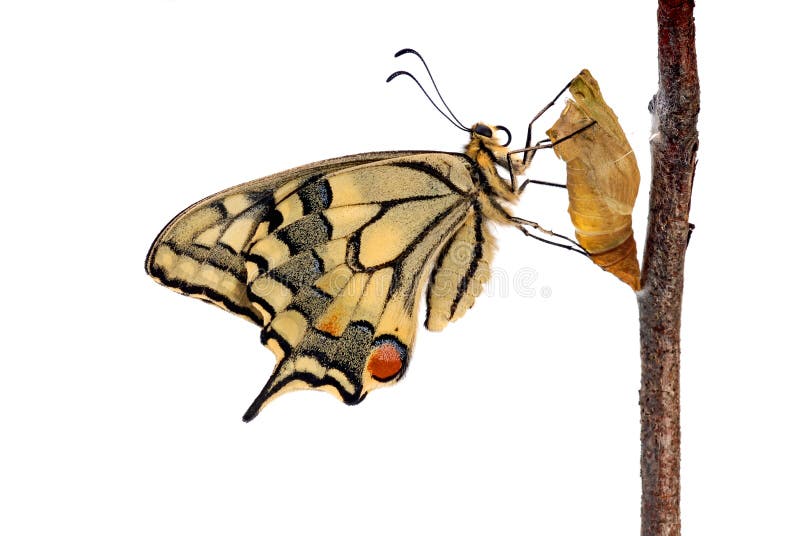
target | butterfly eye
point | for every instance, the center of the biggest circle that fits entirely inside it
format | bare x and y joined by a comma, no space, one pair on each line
483,130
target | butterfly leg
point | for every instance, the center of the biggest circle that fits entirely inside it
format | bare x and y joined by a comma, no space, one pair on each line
544,183
522,223
526,160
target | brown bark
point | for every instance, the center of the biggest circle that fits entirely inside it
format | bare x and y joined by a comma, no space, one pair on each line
673,148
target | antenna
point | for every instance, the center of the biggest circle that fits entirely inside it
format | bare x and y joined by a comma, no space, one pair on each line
452,117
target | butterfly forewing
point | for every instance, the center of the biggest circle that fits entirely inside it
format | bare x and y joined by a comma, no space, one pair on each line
199,253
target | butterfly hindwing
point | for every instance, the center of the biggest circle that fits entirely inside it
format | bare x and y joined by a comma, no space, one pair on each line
346,309
462,268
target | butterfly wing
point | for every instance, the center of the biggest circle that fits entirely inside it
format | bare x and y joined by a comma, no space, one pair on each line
328,258
200,252
461,269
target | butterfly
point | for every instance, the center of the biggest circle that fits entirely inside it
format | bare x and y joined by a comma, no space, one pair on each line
331,259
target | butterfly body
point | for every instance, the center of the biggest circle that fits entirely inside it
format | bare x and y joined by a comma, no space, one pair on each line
331,259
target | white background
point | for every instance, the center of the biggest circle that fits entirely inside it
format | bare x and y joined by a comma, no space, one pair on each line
121,400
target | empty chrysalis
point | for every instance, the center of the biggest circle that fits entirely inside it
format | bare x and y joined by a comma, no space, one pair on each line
602,179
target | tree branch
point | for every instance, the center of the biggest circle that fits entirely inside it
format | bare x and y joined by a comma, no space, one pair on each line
674,149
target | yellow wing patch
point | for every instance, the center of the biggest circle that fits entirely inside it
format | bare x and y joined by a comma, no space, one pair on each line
338,314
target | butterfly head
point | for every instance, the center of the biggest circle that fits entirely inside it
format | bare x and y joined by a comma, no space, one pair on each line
492,140
488,147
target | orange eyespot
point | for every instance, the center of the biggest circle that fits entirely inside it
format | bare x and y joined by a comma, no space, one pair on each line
387,359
